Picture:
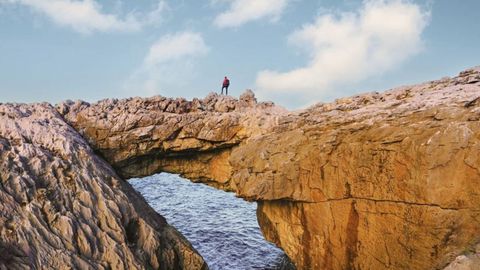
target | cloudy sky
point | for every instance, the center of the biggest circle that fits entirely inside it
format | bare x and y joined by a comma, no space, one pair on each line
293,52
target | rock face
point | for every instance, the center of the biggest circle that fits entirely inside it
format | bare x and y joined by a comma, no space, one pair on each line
140,137
375,181
63,207
378,181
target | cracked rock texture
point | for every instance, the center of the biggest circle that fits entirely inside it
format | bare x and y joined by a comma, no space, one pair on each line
375,181
142,136
63,207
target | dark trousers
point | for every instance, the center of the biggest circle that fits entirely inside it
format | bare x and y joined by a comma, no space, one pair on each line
226,89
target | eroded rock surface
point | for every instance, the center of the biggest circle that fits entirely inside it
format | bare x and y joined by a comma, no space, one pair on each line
63,207
143,136
376,181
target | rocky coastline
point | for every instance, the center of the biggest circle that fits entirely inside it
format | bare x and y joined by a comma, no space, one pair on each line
375,181
64,207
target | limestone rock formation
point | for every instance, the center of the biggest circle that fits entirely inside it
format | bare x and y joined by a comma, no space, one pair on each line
143,136
63,207
376,181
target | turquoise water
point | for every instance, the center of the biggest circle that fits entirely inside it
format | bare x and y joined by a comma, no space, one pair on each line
221,227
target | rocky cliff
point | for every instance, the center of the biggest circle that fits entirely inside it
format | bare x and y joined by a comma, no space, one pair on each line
376,181
140,137
63,207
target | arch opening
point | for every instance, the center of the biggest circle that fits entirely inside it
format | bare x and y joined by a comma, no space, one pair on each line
222,227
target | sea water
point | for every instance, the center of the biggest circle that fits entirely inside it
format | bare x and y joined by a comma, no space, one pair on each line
222,227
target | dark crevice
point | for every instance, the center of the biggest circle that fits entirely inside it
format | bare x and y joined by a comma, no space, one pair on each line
132,232
351,243
13,257
184,154
394,201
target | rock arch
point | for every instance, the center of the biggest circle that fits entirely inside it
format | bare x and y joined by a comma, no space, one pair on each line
369,182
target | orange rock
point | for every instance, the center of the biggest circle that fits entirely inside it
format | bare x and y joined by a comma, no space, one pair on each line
376,181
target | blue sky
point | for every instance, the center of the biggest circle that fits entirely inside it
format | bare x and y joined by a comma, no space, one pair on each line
293,52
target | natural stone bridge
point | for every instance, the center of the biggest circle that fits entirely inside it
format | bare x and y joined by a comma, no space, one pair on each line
376,181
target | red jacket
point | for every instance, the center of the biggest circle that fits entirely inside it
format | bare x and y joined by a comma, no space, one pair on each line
226,82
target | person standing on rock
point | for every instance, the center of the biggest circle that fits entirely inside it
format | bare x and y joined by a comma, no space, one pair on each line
225,85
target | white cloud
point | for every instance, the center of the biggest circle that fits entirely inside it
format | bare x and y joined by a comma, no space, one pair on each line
169,64
349,47
177,46
155,16
243,11
86,16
